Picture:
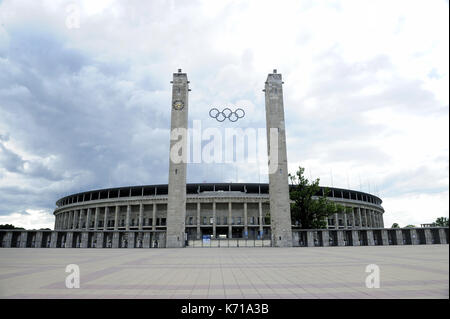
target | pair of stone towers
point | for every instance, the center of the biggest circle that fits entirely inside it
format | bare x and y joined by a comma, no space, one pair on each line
280,214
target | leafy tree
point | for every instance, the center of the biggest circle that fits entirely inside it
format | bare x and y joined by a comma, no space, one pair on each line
9,226
395,225
441,221
309,212
410,226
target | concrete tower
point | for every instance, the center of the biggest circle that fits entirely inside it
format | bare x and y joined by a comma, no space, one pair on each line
176,206
280,211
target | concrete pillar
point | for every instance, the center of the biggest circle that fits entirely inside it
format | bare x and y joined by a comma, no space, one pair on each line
116,217
105,219
353,218
428,236
88,218
141,215
81,219
99,240
442,236
370,241
74,219
7,239
127,219
245,220
97,209
154,217
261,220
372,218
414,237
131,236
84,239
146,241
230,233
310,238
345,219
399,236
365,218
381,219
38,240
64,220
214,218
295,239
359,217
69,220
280,213
53,239
336,221
115,240
176,202
69,240
198,221
340,238
384,237
355,238
325,238
23,239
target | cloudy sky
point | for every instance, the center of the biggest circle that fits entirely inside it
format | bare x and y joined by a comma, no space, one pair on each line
85,95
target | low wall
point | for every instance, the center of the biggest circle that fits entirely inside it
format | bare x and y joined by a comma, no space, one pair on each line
157,238
81,239
370,237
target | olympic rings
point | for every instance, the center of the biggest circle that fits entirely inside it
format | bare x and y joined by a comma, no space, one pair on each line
226,113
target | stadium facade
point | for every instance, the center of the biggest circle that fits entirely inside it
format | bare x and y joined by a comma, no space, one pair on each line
178,214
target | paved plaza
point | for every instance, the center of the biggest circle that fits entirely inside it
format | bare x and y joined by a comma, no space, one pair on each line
322,272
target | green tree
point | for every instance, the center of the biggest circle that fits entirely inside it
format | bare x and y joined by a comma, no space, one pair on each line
410,226
309,212
395,225
441,221
9,226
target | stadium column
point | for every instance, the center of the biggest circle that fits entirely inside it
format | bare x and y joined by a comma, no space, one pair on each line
69,226
345,218
280,212
260,219
214,218
353,217
127,219
116,217
154,217
75,219
230,229
88,218
176,205
245,220
336,221
64,221
96,217
359,217
366,224
371,221
105,220
141,215
198,220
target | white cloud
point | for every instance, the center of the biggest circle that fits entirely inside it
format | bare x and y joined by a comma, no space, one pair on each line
366,93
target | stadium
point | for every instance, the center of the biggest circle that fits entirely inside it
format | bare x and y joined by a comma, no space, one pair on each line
178,214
